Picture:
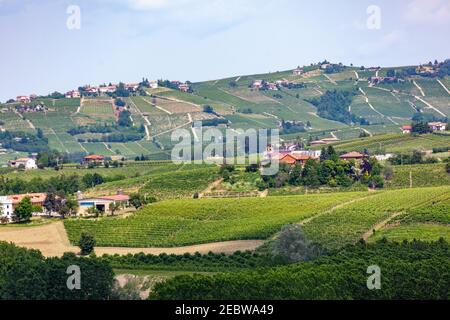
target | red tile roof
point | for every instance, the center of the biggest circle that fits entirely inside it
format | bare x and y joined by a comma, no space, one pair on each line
94,157
352,155
34,197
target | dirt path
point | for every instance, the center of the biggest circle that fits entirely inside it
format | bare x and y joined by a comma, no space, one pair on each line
158,107
375,110
443,86
339,206
331,80
51,239
430,106
380,225
356,74
420,89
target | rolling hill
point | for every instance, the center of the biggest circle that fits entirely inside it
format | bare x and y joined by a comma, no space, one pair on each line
382,108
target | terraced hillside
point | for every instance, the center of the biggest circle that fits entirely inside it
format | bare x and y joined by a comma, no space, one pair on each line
384,108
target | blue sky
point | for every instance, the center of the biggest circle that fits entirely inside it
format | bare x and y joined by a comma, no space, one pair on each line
125,40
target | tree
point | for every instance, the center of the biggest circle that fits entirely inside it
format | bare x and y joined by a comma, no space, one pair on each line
136,200
40,133
51,203
390,73
208,109
310,177
86,244
420,127
71,206
113,207
24,209
292,245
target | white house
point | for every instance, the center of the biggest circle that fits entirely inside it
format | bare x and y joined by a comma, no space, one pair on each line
28,163
6,206
437,126
154,84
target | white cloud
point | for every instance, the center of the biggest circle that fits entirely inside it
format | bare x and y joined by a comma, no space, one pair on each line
428,11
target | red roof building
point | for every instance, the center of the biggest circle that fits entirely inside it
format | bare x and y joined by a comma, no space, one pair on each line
352,156
93,158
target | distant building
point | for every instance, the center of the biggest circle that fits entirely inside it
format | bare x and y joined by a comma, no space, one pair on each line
7,207
406,129
297,71
132,87
384,157
27,163
437,126
107,89
73,94
23,99
296,159
256,84
184,87
93,158
101,203
352,156
153,84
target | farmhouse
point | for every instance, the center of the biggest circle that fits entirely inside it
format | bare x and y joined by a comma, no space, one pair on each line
184,87
93,158
101,203
30,108
256,84
437,126
27,163
73,94
23,99
132,87
352,156
9,203
37,199
153,84
107,89
406,129
294,159
90,90
298,71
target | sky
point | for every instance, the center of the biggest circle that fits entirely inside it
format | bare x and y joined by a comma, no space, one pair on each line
58,45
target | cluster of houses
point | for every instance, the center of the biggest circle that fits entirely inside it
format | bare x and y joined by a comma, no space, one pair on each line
26,99
93,90
378,80
182,86
266,85
103,204
434,126
27,108
299,157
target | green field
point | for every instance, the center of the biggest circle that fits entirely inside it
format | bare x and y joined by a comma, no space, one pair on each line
394,143
419,231
421,175
348,224
184,222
